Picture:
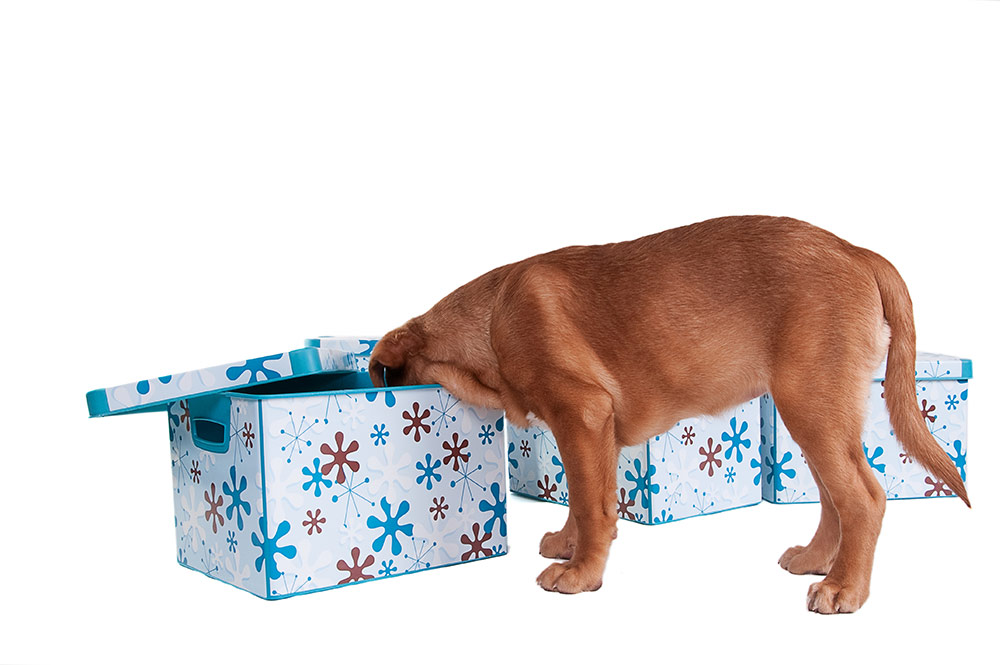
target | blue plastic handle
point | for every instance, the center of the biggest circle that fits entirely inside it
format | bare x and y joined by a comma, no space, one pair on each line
210,423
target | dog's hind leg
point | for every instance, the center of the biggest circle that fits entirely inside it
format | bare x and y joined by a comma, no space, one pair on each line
825,416
816,557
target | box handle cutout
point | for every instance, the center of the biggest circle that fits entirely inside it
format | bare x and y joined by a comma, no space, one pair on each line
209,435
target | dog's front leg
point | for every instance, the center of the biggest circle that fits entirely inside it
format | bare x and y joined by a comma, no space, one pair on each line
585,436
560,544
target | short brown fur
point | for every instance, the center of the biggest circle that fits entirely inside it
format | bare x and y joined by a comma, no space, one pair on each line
611,344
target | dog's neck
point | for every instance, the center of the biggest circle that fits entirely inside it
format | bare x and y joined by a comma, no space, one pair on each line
459,354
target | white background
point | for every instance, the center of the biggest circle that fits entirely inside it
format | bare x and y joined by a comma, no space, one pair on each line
192,183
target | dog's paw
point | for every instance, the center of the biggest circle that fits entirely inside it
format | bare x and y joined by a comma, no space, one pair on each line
801,560
570,578
556,545
831,598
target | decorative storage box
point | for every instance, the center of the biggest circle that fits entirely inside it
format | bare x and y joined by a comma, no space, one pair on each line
942,394
701,466
292,474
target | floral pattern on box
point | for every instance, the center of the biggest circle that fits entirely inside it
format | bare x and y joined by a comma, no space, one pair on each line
943,403
328,489
701,466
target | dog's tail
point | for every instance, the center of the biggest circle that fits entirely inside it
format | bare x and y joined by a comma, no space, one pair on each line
900,382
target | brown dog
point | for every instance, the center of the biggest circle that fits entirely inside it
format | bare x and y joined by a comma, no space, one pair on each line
612,344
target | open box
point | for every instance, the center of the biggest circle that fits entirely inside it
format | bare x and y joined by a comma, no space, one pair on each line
293,474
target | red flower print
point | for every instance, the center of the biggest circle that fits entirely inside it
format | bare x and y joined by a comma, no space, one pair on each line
314,521
438,508
416,422
710,458
937,487
339,458
688,435
195,473
525,449
356,572
212,515
475,544
624,503
455,454
186,415
926,412
547,491
247,435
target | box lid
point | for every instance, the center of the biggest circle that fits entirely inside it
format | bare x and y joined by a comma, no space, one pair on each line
157,393
935,367
361,347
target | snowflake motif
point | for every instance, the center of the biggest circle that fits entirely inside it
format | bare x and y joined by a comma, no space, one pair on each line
416,422
525,449
688,435
547,489
486,434
296,435
429,471
247,434
730,475
467,482
380,434
455,454
339,456
390,526
511,459
444,417
925,411
710,457
351,492
873,457
438,508
624,503
195,472
235,494
475,543
269,548
736,440
755,464
356,572
777,468
499,510
644,485
291,585
313,522
315,476
387,568
421,554
212,515
952,402
700,502
231,541
937,487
